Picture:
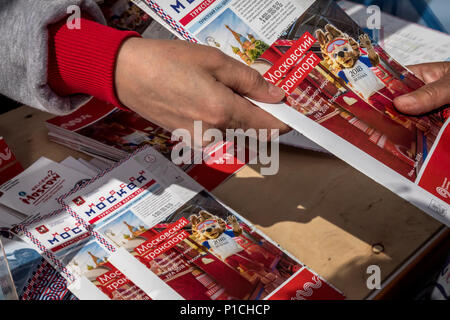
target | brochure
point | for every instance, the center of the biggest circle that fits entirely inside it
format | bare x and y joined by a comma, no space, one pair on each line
7,289
77,165
53,233
339,84
35,191
30,194
409,43
101,130
9,166
34,277
147,225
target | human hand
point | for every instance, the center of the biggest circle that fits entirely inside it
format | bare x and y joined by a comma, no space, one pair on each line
435,94
172,83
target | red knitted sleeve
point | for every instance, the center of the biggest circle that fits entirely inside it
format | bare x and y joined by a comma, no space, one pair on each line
83,60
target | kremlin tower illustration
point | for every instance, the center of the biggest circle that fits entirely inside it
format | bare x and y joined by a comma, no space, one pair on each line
98,262
133,230
250,48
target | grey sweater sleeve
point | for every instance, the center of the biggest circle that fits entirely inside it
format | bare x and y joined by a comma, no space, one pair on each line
24,51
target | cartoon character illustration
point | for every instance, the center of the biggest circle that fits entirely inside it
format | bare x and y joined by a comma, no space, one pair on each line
344,56
212,232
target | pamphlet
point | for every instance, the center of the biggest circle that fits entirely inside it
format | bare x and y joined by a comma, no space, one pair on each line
409,43
35,191
35,278
339,84
9,166
147,225
77,165
101,130
7,289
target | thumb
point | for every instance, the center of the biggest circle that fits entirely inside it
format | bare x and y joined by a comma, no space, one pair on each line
428,98
248,82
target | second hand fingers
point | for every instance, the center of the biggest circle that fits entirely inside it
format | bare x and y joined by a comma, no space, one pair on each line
430,72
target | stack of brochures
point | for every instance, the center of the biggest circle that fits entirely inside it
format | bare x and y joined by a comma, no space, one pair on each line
143,229
34,278
110,134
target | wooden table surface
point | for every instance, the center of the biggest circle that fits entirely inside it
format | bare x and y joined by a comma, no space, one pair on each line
317,207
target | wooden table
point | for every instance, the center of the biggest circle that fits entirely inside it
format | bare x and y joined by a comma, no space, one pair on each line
317,207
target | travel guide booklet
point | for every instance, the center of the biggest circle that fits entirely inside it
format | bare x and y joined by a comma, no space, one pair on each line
9,166
145,230
103,131
35,191
35,278
339,85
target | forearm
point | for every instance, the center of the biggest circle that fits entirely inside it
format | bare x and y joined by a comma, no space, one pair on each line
24,51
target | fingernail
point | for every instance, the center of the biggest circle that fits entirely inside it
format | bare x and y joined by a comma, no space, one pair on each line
275,91
408,99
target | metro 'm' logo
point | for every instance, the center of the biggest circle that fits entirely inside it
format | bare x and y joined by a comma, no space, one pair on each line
181,5
42,229
78,201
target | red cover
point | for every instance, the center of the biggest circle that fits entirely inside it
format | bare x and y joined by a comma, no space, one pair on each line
307,286
435,178
9,166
